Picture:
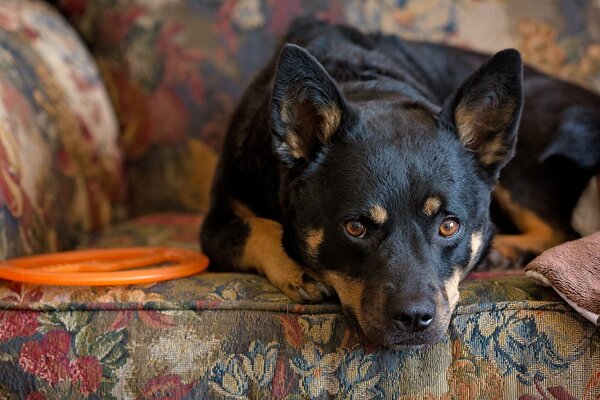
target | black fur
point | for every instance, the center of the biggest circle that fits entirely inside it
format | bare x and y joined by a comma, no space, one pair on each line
341,121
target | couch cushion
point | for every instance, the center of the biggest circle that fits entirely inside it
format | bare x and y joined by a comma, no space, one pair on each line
218,335
60,165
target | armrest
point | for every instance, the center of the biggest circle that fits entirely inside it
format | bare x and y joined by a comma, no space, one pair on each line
60,165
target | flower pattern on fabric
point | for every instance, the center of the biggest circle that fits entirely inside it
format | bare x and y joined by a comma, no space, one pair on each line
174,70
253,371
14,324
317,370
521,342
166,387
47,358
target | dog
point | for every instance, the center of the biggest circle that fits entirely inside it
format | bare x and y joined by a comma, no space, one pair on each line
368,167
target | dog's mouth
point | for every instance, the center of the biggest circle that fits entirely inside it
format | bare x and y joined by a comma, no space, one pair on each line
370,311
385,332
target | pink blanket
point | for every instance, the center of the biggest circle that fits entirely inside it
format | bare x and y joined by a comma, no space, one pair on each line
573,270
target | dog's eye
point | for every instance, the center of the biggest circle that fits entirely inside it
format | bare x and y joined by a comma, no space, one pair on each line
449,227
355,229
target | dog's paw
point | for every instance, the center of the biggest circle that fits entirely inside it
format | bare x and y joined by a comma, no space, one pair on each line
506,254
306,289
498,261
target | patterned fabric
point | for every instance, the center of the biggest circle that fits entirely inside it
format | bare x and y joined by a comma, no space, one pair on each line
234,336
60,167
176,68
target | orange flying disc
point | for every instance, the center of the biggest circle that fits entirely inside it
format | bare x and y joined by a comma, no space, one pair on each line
114,266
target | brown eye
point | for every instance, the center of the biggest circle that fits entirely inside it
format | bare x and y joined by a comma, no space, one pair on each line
449,227
355,229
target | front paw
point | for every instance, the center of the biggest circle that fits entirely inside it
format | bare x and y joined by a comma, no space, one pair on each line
306,289
498,261
507,252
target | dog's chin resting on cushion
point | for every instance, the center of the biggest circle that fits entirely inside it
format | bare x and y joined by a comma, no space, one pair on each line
363,166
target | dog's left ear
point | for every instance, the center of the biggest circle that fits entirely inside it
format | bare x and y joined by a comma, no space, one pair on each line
307,107
486,109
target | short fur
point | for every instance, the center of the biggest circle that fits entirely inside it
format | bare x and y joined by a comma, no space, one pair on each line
343,126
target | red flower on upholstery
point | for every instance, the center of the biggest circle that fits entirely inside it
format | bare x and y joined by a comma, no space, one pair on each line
165,387
47,358
14,324
20,293
87,371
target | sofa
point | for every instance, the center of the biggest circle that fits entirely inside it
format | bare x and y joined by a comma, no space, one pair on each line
111,119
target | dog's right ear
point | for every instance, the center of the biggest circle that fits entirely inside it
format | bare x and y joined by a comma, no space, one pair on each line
307,107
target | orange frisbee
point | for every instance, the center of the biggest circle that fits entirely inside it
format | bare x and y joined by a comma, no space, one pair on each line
114,266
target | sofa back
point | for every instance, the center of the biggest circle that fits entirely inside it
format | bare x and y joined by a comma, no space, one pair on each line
60,163
176,68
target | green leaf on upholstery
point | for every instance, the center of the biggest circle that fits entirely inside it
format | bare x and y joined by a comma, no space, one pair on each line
88,342
71,321
116,357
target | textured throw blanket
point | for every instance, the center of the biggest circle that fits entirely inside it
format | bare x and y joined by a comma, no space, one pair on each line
573,270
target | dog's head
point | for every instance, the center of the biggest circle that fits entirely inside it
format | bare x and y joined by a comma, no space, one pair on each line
387,197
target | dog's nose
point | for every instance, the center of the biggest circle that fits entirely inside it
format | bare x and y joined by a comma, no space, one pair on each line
414,315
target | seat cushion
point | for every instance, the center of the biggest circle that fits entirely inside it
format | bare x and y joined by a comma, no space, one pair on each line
232,335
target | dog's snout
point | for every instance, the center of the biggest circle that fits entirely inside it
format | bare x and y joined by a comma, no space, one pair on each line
414,315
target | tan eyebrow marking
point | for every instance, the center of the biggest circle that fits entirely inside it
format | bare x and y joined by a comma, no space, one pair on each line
378,214
431,206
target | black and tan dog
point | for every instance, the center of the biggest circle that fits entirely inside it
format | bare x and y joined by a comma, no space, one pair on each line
369,165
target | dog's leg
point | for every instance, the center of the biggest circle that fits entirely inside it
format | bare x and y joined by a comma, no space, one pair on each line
263,250
233,237
512,251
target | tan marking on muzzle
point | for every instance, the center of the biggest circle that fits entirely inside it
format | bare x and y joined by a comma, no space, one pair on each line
378,214
451,289
476,241
314,238
431,206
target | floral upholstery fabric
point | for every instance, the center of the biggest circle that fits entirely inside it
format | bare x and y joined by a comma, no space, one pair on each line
234,336
176,68
60,166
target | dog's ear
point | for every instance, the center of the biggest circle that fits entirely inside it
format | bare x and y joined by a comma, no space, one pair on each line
307,107
486,109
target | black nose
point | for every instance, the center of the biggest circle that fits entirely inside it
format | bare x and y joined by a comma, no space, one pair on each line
414,315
